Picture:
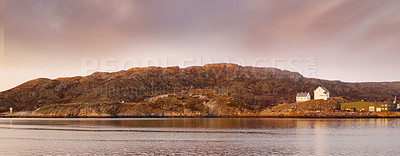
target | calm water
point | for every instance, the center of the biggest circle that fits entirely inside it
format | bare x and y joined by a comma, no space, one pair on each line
200,136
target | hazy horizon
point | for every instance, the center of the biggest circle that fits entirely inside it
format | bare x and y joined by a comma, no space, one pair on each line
350,41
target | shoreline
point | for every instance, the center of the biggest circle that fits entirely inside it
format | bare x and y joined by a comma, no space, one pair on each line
348,115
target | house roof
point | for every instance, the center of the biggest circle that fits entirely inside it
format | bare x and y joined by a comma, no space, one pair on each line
326,90
302,95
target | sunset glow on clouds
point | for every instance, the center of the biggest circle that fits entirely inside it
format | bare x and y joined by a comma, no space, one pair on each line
353,40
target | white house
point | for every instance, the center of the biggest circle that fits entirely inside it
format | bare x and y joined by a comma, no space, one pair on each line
321,93
300,97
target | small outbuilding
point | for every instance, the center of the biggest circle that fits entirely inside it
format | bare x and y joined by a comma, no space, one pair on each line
300,97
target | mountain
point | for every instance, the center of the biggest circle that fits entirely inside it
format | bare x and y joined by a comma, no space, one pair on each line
263,87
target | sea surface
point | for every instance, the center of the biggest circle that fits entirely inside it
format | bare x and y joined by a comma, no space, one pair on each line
199,136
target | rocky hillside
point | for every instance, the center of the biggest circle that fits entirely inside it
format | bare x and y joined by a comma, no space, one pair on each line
251,85
162,106
330,105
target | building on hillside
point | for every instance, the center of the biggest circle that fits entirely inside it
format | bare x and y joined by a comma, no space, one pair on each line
219,91
321,93
300,97
362,106
397,104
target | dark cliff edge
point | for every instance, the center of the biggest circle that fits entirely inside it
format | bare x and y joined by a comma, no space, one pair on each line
256,90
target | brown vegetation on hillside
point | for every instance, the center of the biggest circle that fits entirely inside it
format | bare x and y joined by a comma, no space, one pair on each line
168,105
330,105
251,85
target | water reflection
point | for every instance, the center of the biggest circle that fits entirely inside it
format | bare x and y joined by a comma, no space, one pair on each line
194,136
213,123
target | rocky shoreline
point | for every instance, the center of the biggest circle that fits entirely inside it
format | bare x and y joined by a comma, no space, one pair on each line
193,106
263,115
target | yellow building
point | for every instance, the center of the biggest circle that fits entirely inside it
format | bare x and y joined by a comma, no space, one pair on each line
362,106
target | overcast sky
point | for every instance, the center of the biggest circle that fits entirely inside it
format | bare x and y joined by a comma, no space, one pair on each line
347,40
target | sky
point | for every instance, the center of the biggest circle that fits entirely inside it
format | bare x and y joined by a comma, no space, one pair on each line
346,40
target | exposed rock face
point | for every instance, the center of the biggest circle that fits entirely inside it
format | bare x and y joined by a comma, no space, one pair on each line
162,107
251,85
74,110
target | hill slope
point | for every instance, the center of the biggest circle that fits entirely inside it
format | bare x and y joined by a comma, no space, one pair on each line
251,85
162,106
